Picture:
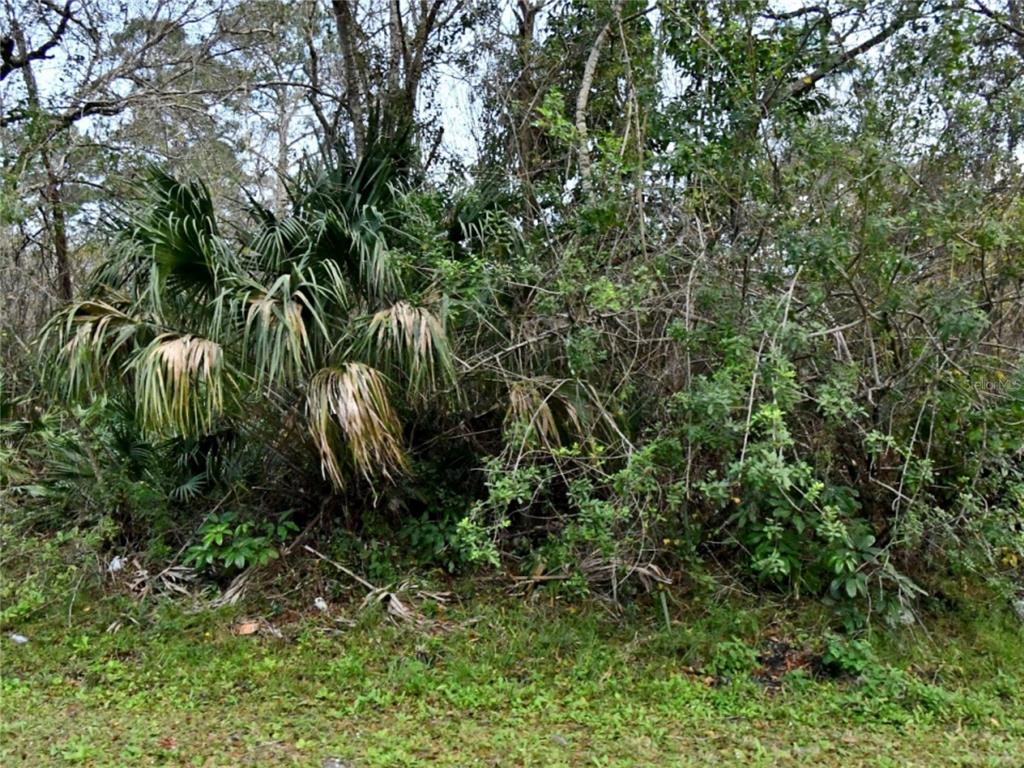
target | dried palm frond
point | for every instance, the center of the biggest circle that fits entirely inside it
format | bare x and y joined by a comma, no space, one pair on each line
533,411
394,606
547,412
235,590
173,580
599,569
179,384
413,341
397,609
350,405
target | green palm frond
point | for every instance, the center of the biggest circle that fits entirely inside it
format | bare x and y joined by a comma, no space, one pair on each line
91,336
411,342
350,413
478,219
292,322
356,242
276,332
190,488
346,207
351,241
371,181
277,244
179,232
180,383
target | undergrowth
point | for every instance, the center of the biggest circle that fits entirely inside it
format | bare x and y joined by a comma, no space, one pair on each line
494,679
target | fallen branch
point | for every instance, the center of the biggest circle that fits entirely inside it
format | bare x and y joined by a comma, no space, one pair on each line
341,568
393,605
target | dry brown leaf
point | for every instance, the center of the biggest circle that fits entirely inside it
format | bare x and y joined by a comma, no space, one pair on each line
247,628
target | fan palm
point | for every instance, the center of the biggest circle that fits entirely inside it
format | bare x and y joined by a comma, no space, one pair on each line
305,318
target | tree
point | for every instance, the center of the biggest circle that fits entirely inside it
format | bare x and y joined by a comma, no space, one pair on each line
308,320
388,49
76,77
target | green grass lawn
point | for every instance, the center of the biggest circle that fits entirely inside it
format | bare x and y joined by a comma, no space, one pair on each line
505,682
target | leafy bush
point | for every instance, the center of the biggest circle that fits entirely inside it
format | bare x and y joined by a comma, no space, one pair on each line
850,657
227,543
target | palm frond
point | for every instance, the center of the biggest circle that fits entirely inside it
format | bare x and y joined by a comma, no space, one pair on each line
190,488
180,381
276,333
532,413
348,183
349,411
345,207
411,341
355,240
277,244
548,413
478,219
287,323
91,335
179,231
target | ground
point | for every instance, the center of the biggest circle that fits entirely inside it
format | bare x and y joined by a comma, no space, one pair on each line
495,680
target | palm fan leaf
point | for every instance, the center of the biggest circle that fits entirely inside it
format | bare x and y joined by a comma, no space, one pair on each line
180,382
287,322
277,244
276,333
345,207
411,341
179,232
91,335
350,406
356,241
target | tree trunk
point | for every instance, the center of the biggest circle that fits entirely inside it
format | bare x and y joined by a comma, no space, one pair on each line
285,112
583,100
59,231
354,92
53,196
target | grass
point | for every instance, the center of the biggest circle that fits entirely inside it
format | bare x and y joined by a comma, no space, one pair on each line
505,682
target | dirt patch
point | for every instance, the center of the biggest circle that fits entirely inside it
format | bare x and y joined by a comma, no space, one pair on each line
781,657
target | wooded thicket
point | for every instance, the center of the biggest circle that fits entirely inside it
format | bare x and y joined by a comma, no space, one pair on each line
602,289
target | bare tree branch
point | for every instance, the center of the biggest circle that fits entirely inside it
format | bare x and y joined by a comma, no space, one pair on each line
800,86
11,61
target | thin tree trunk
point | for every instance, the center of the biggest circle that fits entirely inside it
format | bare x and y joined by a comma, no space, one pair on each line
523,130
52,191
396,39
415,55
285,111
354,93
61,251
583,99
